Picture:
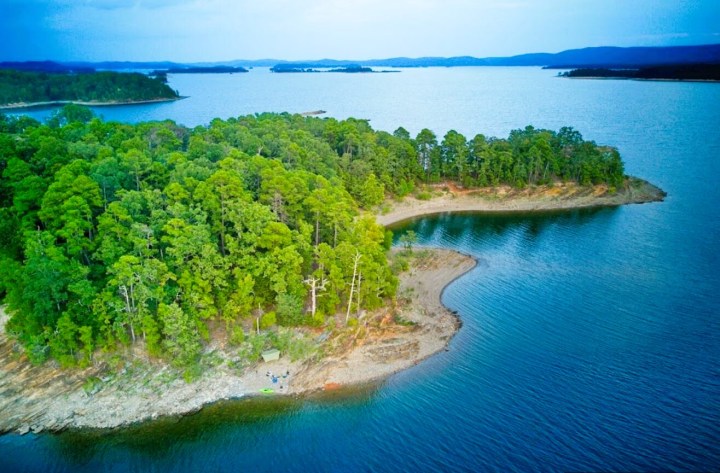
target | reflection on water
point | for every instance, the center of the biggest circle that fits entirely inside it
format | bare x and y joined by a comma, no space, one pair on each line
483,226
258,415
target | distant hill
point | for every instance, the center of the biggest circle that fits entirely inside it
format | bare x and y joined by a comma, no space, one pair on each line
572,58
611,56
596,57
78,66
45,66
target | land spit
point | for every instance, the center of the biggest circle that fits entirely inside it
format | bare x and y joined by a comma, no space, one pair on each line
448,198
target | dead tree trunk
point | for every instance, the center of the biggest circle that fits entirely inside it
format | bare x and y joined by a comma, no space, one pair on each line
352,284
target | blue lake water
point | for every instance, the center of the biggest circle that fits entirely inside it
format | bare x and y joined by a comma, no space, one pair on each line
591,338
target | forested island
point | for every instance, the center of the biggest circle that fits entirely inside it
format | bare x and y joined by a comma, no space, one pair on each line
201,70
158,241
291,67
692,72
26,88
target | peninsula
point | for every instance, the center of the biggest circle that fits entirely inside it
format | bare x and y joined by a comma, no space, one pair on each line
685,72
448,198
149,268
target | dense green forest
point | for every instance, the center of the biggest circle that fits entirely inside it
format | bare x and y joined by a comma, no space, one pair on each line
671,72
31,87
200,70
298,67
114,234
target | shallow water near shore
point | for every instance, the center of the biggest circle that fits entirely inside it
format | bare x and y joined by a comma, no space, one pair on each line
590,338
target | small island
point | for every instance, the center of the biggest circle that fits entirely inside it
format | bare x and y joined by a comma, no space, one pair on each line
200,70
319,68
23,89
150,269
680,72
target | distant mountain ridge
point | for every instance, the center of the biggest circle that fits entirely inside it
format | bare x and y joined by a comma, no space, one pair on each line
604,56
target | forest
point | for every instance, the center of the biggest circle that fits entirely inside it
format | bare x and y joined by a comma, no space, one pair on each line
32,87
709,72
115,235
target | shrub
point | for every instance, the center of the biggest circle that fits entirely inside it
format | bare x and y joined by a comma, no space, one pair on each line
289,310
267,320
318,320
237,335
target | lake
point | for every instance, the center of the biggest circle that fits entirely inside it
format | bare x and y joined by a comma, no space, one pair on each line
591,338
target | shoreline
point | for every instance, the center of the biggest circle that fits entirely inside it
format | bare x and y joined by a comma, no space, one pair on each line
562,196
44,398
649,79
55,103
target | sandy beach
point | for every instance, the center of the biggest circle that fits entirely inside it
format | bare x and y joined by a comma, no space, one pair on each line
45,398
448,198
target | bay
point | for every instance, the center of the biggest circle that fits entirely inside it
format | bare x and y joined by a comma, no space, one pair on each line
591,338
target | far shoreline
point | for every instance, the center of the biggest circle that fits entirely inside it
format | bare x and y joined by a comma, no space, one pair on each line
58,103
645,79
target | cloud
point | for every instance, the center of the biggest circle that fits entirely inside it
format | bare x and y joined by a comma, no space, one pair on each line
205,30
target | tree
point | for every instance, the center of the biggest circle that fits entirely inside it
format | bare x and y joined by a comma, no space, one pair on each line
356,260
426,145
372,193
181,338
114,232
71,113
408,239
454,150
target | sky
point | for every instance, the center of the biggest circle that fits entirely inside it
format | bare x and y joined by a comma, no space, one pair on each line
217,30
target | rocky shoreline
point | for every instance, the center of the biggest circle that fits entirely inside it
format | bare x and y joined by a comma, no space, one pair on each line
45,398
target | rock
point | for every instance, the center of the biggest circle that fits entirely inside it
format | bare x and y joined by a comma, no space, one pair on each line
23,429
394,350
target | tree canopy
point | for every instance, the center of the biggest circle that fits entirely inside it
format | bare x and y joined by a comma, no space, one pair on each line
116,234
106,86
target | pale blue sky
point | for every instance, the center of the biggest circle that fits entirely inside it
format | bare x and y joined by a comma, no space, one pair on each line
212,30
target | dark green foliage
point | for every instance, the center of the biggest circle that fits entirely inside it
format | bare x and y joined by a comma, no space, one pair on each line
665,72
527,157
32,87
119,234
289,310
